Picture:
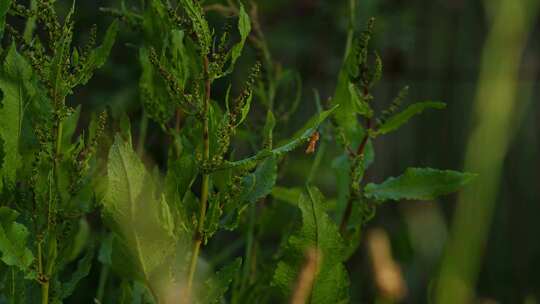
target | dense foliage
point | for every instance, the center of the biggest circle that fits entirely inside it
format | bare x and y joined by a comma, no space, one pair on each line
144,229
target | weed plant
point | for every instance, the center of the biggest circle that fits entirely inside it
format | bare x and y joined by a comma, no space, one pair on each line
216,224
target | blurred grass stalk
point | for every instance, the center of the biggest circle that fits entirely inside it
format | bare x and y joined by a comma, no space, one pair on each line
495,110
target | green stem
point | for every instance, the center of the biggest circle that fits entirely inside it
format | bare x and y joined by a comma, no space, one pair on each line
45,293
103,276
51,238
250,245
350,31
198,237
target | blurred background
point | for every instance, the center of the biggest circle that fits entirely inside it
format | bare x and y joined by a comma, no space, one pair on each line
435,47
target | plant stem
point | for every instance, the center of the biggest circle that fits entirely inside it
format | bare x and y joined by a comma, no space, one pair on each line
103,275
351,29
250,245
198,237
360,151
45,293
51,238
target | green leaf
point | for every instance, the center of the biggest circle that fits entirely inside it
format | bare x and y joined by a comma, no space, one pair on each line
268,130
99,55
260,183
418,184
346,115
4,8
105,250
195,13
397,120
156,101
14,75
180,175
361,106
319,233
59,85
244,28
245,109
216,287
298,139
140,221
254,187
83,269
13,238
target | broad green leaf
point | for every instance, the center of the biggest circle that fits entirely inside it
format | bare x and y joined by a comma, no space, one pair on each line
254,187
361,106
260,183
244,28
4,7
14,75
318,232
140,221
346,114
418,184
216,287
13,238
195,13
397,120
99,55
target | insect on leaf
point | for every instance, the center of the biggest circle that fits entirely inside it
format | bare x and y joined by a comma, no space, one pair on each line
298,139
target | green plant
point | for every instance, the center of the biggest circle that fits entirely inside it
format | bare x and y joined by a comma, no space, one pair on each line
221,174
47,178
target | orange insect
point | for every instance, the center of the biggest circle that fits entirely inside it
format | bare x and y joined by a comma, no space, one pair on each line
313,142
